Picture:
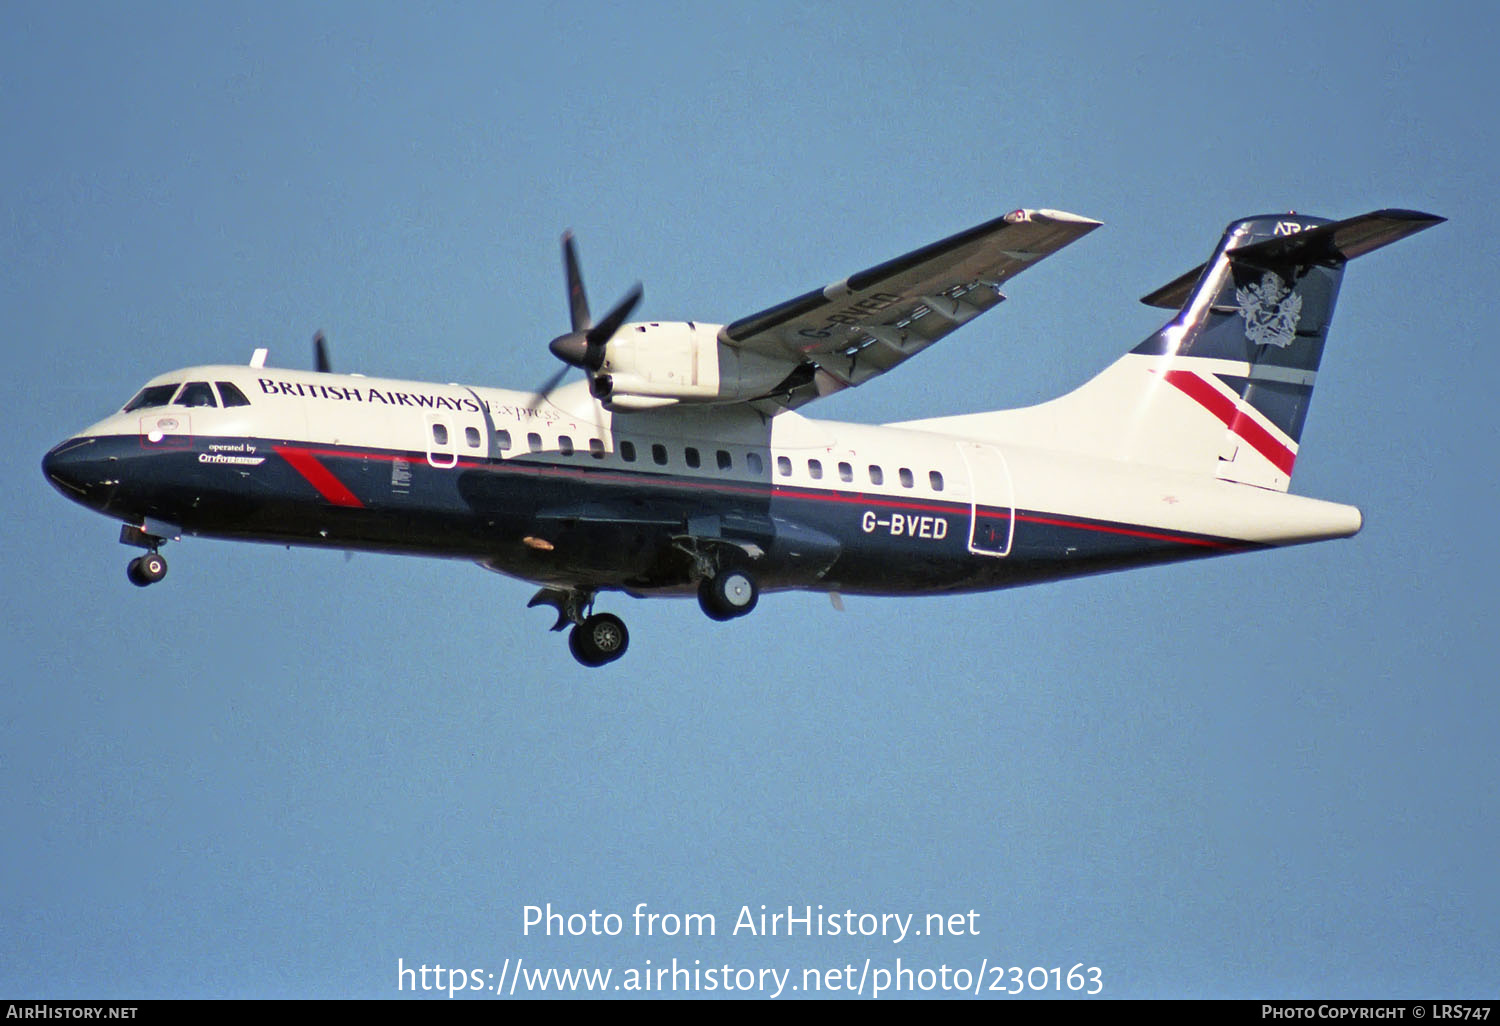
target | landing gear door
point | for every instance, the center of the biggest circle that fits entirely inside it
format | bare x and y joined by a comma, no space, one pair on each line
992,519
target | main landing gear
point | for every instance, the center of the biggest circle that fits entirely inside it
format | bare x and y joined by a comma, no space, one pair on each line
599,639
596,638
726,589
728,594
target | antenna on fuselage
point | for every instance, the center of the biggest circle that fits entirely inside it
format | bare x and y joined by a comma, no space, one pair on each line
321,363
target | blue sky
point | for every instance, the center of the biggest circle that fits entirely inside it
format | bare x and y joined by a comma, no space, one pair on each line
280,771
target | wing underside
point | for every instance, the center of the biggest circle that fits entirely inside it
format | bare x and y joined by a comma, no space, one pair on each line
848,332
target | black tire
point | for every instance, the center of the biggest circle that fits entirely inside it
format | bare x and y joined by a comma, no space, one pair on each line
600,639
733,593
152,567
575,645
709,604
133,573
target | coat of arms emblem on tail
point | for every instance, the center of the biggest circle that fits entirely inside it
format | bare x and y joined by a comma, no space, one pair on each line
1271,311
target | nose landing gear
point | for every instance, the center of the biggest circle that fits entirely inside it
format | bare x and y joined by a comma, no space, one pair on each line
150,568
147,569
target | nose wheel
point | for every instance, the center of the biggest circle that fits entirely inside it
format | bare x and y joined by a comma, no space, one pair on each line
147,569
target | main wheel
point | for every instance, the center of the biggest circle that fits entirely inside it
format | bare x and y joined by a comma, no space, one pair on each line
732,593
133,572
600,639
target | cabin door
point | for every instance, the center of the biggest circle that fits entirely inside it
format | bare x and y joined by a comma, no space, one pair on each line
992,520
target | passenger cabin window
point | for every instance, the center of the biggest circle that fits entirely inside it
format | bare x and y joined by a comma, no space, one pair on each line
906,479
815,469
725,463
753,461
196,393
565,445
439,434
471,435
596,448
152,395
846,472
534,441
935,479
502,439
230,395
627,451
877,476
691,455
659,454
784,466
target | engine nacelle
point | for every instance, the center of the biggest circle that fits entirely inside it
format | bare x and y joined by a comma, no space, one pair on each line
661,363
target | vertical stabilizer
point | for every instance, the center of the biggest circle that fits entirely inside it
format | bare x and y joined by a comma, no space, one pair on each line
1245,346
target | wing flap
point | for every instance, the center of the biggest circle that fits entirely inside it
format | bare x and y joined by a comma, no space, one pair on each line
848,332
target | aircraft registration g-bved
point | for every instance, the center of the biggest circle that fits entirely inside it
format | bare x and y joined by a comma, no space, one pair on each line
679,466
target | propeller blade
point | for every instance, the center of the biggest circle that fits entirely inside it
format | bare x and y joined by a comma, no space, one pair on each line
547,387
320,354
578,302
601,333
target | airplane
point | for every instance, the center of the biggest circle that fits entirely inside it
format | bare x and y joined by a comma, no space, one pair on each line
679,465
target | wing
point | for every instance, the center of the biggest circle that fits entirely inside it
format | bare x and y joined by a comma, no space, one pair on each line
852,330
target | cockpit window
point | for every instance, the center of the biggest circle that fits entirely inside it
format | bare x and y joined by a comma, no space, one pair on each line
196,393
230,395
151,395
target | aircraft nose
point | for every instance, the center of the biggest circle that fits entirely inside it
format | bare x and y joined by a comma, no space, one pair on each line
69,466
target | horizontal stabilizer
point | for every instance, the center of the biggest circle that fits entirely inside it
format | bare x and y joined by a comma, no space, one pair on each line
1340,241
1174,293
1335,243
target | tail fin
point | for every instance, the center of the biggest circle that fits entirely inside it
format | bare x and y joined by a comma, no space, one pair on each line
1223,388
1241,356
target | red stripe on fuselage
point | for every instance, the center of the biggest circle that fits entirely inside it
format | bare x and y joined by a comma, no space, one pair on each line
1130,532
319,476
1198,388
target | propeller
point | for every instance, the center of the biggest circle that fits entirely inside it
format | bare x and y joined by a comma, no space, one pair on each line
321,362
547,386
584,346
